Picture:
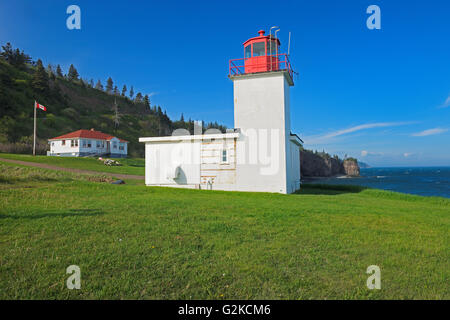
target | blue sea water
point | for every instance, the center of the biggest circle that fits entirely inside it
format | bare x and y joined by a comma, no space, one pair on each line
424,181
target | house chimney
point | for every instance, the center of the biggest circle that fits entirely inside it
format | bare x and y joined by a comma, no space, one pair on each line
92,129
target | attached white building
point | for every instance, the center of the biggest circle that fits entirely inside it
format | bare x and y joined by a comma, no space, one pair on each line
82,143
261,154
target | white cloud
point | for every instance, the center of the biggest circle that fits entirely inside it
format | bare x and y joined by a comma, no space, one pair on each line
366,153
429,132
407,154
328,136
446,103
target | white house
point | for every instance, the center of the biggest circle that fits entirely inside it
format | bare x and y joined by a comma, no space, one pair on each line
261,154
83,143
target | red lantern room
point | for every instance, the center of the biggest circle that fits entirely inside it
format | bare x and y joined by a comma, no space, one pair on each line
261,54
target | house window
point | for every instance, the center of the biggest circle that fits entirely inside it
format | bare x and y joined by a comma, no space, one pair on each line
53,144
224,156
121,147
63,143
74,143
84,143
99,144
89,144
114,145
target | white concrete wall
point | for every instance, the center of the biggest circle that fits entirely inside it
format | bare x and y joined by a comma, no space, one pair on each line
161,158
261,111
57,147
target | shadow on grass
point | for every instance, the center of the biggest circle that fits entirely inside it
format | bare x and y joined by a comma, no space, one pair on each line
329,189
53,214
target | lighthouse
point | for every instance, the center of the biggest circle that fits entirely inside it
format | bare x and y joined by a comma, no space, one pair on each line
261,85
259,154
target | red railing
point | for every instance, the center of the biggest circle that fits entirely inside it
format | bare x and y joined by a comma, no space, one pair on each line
276,62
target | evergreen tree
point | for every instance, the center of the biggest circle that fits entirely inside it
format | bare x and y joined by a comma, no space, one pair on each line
131,92
99,86
59,73
109,85
182,118
124,90
15,57
116,91
72,75
40,78
138,98
51,74
147,101
91,83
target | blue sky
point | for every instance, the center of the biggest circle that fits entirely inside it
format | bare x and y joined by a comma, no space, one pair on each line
382,96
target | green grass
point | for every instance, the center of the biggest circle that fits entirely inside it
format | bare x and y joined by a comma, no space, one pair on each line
137,242
134,166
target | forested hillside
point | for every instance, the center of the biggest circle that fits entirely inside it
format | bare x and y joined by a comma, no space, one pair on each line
72,103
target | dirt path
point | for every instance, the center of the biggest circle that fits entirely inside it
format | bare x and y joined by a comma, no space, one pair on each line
49,166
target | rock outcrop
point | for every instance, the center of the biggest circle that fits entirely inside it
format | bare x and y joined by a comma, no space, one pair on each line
323,165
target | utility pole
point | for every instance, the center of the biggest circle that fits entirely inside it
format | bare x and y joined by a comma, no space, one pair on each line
34,135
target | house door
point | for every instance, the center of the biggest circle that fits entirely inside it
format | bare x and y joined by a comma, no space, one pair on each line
108,147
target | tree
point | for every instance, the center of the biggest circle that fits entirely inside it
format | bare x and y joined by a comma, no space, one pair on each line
147,101
109,85
51,74
116,91
59,73
182,118
99,86
124,90
72,74
91,83
40,78
16,57
138,98
131,92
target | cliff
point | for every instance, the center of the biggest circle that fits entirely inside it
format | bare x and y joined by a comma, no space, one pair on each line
320,164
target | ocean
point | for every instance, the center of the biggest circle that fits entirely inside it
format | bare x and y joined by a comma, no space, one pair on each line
424,181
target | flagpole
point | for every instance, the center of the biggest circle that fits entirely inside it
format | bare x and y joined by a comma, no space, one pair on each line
34,136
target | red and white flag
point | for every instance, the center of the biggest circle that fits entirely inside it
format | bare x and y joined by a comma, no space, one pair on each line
40,106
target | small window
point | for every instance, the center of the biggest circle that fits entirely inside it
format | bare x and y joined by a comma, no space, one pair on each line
259,49
74,143
99,144
84,143
248,51
53,144
121,147
114,145
89,143
224,156
63,143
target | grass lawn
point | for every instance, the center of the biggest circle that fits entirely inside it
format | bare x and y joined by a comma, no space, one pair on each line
134,166
132,241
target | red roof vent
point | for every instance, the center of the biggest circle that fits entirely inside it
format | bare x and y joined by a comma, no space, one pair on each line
261,32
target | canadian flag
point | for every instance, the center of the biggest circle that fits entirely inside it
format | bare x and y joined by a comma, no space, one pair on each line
40,106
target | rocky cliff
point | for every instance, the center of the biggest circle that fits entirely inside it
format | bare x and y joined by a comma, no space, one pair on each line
314,164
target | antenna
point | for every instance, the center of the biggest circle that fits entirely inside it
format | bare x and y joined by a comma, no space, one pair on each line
289,43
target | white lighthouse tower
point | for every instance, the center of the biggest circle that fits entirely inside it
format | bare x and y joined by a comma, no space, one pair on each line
261,82
260,154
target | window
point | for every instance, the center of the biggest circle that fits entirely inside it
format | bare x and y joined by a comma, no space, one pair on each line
84,143
74,143
224,156
89,143
259,49
121,147
99,144
248,51
114,145
63,143
53,144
